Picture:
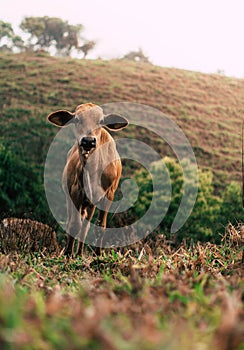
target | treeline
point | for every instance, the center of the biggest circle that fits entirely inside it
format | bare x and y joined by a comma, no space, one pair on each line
54,36
49,34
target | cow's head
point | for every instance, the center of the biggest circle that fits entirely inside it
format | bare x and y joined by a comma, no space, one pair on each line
89,119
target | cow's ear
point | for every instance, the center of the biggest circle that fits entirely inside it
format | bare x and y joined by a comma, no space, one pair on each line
60,118
114,122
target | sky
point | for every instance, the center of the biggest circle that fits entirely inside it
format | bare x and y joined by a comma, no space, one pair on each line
199,35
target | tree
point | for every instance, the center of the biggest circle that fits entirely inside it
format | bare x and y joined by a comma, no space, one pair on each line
52,33
8,39
137,56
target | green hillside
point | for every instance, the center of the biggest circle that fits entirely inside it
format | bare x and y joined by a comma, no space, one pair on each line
209,108
162,292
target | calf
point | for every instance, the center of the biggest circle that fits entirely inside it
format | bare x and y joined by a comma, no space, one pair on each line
92,171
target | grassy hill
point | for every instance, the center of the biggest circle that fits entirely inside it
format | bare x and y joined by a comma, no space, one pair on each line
209,108
153,294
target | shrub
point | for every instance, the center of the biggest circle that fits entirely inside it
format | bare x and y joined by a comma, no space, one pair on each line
202,224
21,189
231,207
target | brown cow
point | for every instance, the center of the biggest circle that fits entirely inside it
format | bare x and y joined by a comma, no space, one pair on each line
92,170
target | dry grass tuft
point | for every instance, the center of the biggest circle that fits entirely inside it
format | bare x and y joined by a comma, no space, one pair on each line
26,235
234,236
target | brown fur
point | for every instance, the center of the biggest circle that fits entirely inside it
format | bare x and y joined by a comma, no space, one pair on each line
101,162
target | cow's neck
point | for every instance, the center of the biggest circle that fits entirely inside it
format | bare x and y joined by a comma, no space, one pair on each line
93,168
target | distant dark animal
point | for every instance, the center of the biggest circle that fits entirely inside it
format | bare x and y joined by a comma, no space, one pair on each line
92,171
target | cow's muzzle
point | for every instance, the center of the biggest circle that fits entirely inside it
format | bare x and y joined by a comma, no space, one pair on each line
87,143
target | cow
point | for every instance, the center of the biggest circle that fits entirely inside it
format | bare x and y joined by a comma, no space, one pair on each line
92,171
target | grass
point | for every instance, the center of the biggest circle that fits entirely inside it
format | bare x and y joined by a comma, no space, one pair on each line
149,296
209,108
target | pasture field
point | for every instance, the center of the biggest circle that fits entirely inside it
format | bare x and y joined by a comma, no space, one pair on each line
156,294
208,108
147,296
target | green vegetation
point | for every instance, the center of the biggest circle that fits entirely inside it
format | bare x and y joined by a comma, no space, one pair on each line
160,293
210,214
206,107
20,185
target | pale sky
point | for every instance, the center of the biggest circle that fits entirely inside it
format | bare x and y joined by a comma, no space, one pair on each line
201,35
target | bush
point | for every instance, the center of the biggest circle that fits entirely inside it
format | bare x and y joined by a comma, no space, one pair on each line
231,207
21,188
203,223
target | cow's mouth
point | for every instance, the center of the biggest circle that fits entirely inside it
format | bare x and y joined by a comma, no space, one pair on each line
87,145
85,154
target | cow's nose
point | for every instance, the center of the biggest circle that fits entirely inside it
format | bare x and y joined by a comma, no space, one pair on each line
88,143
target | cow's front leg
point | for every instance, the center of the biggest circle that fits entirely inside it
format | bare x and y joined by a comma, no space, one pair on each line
102,221
69,246
86,214
73,225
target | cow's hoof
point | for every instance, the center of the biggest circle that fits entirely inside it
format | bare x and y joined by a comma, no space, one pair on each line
68,253
98,251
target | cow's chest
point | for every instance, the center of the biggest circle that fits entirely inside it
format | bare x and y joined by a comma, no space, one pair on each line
90,186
